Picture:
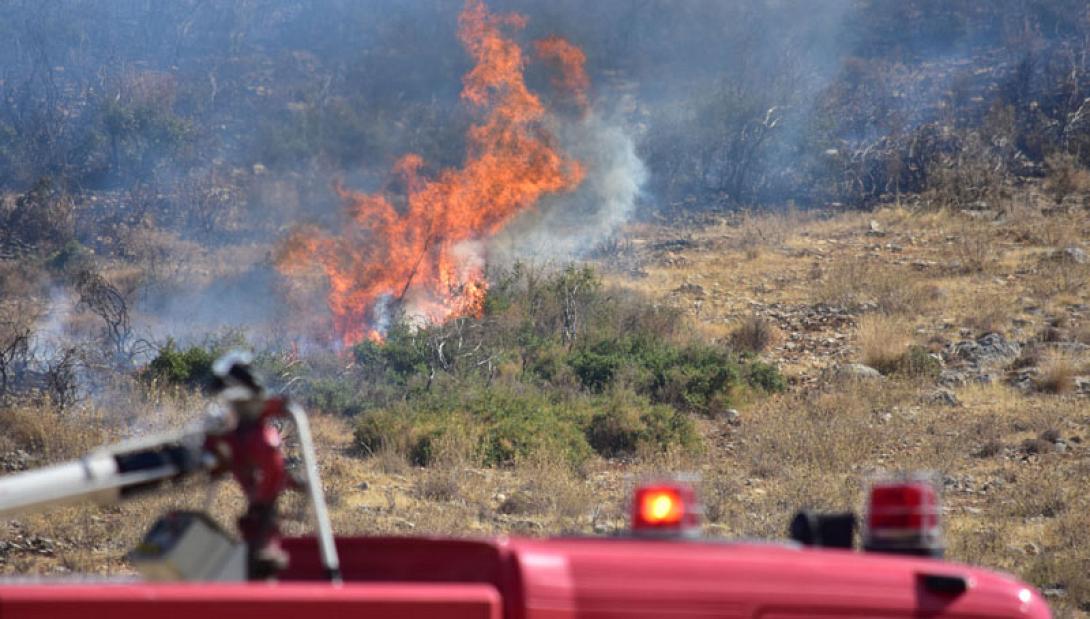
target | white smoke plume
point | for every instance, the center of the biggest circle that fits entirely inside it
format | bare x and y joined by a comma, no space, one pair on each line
565,226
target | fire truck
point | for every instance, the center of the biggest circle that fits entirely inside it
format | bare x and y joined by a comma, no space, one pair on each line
189,566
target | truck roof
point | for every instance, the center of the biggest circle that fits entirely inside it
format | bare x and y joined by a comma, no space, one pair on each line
625,577
589,578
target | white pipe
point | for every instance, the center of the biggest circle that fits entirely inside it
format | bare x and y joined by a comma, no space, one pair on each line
94,477
317,495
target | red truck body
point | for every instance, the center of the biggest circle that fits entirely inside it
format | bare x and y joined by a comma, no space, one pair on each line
590,578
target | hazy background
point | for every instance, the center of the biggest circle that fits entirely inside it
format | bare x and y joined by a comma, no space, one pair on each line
174,143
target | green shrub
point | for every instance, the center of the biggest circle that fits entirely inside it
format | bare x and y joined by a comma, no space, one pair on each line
520,424
503,423
917,361
914,362
401,356
557,364
691,377
191,367
390,428
699,378
628,424
333,395
765,376
596,366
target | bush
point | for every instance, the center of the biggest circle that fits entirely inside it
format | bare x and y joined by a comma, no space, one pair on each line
628,424
557,365
917,362
42,218
503,424
882,341
333,395
691,377
191,367
755,334
1057,375
766,377
381,429
597,366
70,259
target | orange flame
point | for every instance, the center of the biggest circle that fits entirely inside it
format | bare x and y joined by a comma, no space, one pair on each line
428,255
571,62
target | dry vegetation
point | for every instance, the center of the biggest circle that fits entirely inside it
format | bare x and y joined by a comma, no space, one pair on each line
911,293
1008,436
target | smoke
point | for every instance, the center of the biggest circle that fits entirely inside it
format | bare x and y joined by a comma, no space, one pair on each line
566,227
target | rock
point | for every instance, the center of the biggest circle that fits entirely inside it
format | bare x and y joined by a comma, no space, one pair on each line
989,449
1034,446
944,397
1025,379
1071,255
1074,349
527,527
521,503
1051,435
1031,549
983,212
1082,385
953,378
990,349
17,460
731,417
857,371
695,290
875,229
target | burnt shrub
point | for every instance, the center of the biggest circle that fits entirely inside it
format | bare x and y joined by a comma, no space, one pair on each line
41,219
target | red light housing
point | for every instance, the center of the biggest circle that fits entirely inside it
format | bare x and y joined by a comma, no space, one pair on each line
904,516
665,509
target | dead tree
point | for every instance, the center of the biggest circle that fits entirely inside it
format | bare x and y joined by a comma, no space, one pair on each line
61,379
14,354
102,298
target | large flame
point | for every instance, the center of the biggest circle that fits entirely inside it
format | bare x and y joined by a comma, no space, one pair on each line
571,62
428,255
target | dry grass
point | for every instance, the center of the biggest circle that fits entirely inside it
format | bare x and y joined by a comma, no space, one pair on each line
51,433
882,341
761,232
1065,176
988,311
973,249
755,334
890,290
1057,374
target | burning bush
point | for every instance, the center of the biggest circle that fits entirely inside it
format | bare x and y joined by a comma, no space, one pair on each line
426,256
